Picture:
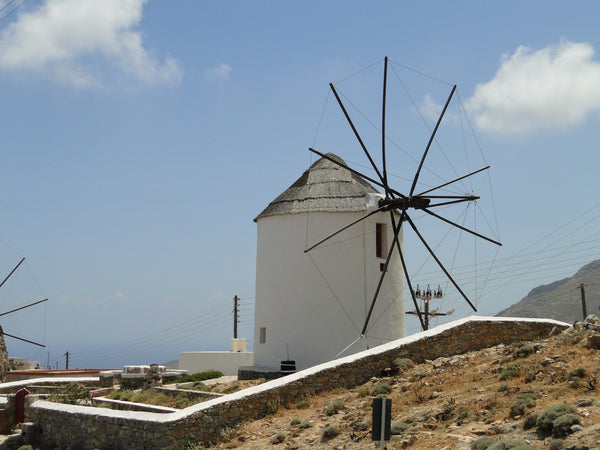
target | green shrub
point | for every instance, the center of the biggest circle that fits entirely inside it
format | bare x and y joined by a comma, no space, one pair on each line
363,391
381,389
545,420
503,387
404,363
277,439
510,371
305,425
530,420
562,424
578,372
330,432
295,422
200,376
334,407
524,351
511,444
483,443
399,428
520,403
303,403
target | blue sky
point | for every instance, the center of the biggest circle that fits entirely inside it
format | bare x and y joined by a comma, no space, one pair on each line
140,139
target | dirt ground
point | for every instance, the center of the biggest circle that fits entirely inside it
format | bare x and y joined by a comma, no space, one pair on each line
449,403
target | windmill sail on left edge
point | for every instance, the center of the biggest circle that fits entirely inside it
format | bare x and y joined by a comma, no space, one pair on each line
20,308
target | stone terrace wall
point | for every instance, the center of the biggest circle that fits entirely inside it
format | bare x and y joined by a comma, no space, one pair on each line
89,428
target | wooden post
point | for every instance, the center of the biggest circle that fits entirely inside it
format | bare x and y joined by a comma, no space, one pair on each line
235,316
583,305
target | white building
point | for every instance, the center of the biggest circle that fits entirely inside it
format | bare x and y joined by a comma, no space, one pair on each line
311,307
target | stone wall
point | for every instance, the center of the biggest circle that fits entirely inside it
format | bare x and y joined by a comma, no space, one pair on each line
65,426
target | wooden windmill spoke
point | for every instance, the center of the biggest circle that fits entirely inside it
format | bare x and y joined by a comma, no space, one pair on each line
360,141
23,307
437,125
385,181
11,272
454,181
461,227
397,228
452,202
24,340
431,252
344,228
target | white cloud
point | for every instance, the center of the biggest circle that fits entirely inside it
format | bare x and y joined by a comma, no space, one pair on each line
220,72
63,38
555,87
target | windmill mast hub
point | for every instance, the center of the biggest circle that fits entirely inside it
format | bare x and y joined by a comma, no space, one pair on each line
416,202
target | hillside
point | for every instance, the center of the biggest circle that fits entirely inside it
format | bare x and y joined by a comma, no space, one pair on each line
561,300
450,403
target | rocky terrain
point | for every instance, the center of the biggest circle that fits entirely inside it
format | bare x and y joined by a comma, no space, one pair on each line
498,398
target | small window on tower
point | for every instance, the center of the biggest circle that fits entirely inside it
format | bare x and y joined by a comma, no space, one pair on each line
262,335
380,240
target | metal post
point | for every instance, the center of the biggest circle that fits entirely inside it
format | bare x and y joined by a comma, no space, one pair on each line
382,441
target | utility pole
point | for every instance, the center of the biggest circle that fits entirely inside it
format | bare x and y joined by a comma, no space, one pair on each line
583,305
235,316
426,297
67,365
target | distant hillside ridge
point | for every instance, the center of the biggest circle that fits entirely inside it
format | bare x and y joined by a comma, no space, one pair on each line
561,300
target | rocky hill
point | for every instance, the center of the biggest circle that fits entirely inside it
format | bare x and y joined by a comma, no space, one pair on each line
528,395
561,300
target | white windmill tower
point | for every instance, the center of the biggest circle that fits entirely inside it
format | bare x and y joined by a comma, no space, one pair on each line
311,307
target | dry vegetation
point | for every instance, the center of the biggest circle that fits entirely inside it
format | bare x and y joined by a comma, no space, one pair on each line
461,402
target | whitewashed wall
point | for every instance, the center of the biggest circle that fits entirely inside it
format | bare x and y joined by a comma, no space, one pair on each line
226,362
315,304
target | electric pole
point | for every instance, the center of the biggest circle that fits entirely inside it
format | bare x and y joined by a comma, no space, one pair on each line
235,316
426,296
67,361
583,305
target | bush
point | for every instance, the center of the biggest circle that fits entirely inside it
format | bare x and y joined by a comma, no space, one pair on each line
562,425
363,391
482,443
404,363
200,376
334,407
510,371
302,403
503,387
295,422
578,372
305,425
399,427
381,389
511,444
277,439
330,432
524,351
520,403
545,420
530,421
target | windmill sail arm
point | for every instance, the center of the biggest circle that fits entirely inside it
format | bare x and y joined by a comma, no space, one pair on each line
461,227
24,340
455,180
437,260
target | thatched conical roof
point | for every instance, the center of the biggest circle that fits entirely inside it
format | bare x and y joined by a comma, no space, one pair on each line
324,187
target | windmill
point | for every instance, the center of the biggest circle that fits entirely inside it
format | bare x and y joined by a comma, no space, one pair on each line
401,206
19,309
